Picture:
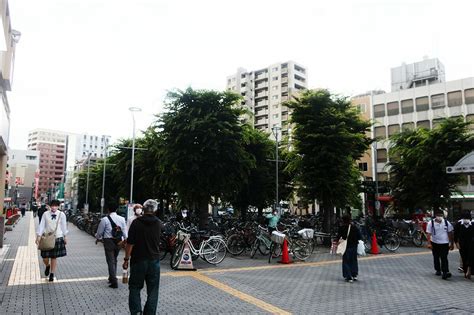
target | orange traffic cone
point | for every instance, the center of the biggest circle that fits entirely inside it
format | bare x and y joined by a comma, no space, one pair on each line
375,247
285,258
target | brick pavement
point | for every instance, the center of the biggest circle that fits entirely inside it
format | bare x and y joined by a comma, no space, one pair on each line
388,283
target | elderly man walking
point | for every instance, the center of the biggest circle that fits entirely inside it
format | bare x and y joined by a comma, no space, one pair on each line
142,250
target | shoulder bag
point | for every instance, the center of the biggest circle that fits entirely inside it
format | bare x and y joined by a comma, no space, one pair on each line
341,248
48,240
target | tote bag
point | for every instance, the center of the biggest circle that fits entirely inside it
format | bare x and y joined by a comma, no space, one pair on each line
341,248
48,240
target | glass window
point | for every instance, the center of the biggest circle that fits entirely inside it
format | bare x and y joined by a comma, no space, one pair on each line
422,104
393,109
437,101
393,129
275,115
381,155
379,110
407,106
423,124
437,122
361,108
275,69
469,96
275,87
470,118
363,167
380,132
408,126
275,78
454,98
274,97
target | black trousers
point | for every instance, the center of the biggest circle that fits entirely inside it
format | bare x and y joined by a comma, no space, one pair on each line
440,254
111,252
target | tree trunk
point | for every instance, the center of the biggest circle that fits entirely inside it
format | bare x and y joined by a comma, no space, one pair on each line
260,212
203,214
328,220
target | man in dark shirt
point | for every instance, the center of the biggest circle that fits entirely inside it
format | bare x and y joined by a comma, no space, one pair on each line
143,246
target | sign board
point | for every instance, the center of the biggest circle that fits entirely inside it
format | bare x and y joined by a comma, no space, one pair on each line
186,262
460,169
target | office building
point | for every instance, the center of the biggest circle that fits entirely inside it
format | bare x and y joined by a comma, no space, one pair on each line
264,90
23,173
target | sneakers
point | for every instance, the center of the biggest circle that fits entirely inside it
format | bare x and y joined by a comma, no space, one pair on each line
113,286
349,280
51,277
438,273
460,269
446,275
354,278
46,270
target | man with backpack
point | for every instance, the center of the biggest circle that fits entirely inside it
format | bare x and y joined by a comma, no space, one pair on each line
112,231
440,241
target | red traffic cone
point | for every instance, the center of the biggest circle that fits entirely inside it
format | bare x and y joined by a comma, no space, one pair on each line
285,258
375,247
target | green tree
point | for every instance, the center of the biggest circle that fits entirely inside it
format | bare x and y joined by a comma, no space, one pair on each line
418,161
203,154
329,136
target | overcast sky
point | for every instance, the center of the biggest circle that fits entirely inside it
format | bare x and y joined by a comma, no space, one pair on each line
80,64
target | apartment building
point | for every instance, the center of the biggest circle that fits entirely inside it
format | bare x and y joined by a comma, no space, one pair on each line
23,175
52,146
8,40
264,90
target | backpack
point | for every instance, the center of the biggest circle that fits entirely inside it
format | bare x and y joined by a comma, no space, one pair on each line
117,233
445,222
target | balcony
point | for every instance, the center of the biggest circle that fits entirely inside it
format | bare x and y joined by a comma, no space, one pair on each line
284,98
284,80
261,122
262,85
263,112
261,76
284,89
261,94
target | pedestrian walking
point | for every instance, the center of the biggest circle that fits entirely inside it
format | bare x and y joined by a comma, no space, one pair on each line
41,211
143,245
112,231
349,232
23,210
53,221
137,212
34,208
440,240
463,237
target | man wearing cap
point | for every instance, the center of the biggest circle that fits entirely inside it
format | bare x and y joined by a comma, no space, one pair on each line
440,241
143,245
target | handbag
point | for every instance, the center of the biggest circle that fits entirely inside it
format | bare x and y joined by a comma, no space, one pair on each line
48,240
341,248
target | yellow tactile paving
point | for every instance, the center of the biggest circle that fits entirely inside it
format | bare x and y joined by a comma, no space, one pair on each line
243,296
26,266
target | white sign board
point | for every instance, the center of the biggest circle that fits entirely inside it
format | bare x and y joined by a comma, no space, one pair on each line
460,169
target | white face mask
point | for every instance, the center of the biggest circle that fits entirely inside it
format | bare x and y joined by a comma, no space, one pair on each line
138,211
466,221
439,218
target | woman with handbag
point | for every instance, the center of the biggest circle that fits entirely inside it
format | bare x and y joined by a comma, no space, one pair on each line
348,236
51,238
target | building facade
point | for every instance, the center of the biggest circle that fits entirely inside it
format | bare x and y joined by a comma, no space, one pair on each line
23,175
265,90
52,146
425,72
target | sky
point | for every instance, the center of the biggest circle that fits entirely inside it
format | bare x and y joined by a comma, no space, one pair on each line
80,64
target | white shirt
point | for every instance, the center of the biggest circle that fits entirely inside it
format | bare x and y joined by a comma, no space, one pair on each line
48,224
439,234
105,227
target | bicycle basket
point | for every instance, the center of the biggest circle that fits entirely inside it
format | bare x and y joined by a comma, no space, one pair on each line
182,236
278,237
306,234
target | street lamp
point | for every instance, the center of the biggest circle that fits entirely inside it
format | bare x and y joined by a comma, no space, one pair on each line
275,133
86,206
133,110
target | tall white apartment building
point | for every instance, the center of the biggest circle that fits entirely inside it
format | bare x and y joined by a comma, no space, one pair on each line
80,146
265,90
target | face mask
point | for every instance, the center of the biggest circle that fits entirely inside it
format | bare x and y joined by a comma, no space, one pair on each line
53,209
466,221
439,218
138,211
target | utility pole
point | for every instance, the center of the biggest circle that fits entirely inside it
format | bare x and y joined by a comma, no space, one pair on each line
275,133
86,206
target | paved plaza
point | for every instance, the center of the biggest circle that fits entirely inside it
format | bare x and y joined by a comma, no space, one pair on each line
389,283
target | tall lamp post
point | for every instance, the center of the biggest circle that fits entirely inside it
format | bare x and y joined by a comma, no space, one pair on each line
86,205
275,130
133,110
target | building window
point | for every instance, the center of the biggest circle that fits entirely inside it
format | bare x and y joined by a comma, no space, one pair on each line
454,98
437,101
382,177
470,118
469,96
275,78
408,126
407,106
423,124
381,155
274,97
276,106
363,167
392,109
361,108
275,87
393,129
380,132
422,104
437,122
379,110
275,69
275,116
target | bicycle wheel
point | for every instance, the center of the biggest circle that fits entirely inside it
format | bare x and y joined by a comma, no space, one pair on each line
301,249
176,256
214,251
235,244
255,245
275,251
263,248
417,239
391,242
163,247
